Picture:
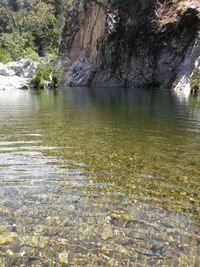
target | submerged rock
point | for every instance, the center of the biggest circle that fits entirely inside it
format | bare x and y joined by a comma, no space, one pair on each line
8,238
63,257
107,233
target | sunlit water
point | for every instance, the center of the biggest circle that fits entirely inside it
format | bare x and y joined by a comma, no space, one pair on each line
99,177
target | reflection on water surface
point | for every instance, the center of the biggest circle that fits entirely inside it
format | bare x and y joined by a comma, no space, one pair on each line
99,177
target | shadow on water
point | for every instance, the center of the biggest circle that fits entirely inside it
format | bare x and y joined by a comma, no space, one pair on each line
99,177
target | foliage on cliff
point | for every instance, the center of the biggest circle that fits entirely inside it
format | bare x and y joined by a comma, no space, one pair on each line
195,80
29,28
46,74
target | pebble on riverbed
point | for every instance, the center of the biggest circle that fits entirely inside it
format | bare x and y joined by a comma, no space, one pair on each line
8,238
63,257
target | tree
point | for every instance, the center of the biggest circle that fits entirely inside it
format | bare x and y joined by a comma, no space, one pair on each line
38,22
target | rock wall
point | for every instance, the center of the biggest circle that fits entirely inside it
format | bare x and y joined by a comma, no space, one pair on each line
134,43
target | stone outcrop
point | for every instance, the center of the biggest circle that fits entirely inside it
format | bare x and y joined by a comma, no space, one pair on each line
23,68
131,43
15,75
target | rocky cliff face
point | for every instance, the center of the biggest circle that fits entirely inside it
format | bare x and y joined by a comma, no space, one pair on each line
131,43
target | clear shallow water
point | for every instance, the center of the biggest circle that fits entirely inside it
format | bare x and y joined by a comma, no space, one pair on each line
99,177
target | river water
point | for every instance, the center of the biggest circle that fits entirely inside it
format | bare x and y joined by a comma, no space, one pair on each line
99,177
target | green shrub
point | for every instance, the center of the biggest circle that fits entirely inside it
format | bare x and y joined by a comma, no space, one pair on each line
195,79
28,27
13,44
29,53
4,56
44,73
18,46
131,25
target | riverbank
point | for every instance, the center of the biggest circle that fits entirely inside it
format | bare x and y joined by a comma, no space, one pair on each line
26,74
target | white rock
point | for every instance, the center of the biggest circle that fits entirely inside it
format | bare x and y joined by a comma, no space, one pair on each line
15,75
13,83
29,71
192,60
5,71
23,68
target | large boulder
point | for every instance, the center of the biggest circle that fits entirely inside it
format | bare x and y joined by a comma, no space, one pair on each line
5,71
16,75
23,68
13,83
